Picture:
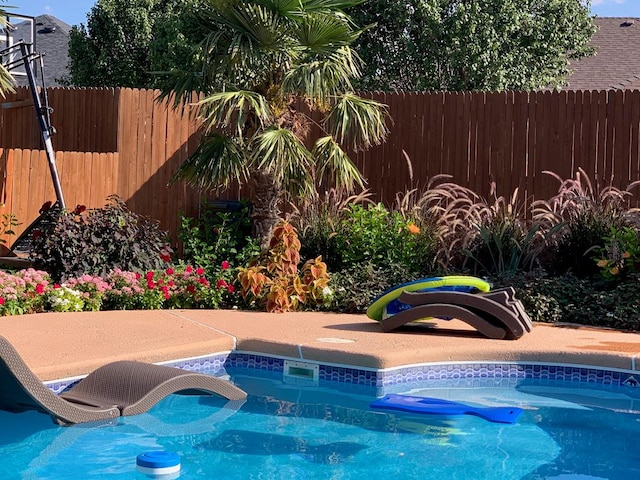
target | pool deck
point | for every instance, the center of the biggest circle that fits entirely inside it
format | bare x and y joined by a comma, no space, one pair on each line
62,345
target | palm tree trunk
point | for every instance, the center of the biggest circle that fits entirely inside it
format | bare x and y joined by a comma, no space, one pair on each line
265,213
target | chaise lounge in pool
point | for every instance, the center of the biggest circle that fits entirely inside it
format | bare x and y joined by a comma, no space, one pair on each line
116,389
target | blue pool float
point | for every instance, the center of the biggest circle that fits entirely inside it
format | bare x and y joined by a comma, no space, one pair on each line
438,406
387,304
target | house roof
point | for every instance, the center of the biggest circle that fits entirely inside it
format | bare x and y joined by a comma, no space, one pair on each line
52,40
616,64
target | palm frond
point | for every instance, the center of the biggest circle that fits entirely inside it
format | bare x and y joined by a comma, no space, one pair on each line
330,158
217,161
6,81
324,78
328,5
279,152
358,121
234,109
322,32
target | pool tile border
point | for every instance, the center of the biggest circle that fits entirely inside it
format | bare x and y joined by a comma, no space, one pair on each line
453,372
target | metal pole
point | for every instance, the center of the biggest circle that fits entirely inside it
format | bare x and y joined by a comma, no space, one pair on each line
44,128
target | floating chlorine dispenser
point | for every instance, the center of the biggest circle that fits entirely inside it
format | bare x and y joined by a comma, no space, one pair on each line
158,464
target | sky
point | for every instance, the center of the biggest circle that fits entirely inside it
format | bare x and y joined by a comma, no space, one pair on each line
75,12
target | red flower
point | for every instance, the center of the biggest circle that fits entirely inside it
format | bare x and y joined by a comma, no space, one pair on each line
39,288
216,230
165,256
1,301
165,289
166,295
200,271
169,271
221,284
189,269
203,281
150,284
79,209
138,276
149,276
171,283
231,288
225,265
191,289
45,206
56,285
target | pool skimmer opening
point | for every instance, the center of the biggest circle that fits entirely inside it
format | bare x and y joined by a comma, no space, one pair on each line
301,373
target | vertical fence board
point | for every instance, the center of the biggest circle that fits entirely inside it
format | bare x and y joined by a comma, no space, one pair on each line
121,141
633,99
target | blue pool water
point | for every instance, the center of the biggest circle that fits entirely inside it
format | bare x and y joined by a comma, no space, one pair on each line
289,432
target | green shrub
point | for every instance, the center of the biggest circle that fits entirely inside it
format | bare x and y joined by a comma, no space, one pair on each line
572,299
620,254
356,286
99,240
317,220
375,235
346,231
581,216
218,236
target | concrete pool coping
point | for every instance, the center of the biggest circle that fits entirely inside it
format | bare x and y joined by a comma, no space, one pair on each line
62,345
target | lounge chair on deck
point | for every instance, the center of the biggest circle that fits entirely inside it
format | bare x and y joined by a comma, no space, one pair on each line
496,314
115,389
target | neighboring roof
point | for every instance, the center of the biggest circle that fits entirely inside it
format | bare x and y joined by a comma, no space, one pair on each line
52,39
616,64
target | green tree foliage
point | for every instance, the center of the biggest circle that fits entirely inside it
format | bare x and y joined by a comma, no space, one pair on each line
458,45
126,41
266,67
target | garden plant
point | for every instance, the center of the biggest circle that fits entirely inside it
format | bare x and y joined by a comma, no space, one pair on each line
572,258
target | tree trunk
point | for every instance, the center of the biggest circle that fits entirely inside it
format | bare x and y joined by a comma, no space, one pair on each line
265,213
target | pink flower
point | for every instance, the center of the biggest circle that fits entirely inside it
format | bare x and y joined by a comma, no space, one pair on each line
225,265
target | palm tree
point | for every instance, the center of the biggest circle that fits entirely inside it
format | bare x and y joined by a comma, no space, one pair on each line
6,80
267,66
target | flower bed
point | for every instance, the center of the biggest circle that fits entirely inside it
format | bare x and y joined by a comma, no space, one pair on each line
33,291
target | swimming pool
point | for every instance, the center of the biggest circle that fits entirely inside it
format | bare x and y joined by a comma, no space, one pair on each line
569,430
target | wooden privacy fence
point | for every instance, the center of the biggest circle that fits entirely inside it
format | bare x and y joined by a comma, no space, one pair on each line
122,141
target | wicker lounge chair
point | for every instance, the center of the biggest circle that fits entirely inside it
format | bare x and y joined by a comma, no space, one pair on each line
118,388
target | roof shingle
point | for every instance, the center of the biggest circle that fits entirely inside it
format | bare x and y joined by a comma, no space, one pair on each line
52,40
616,64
